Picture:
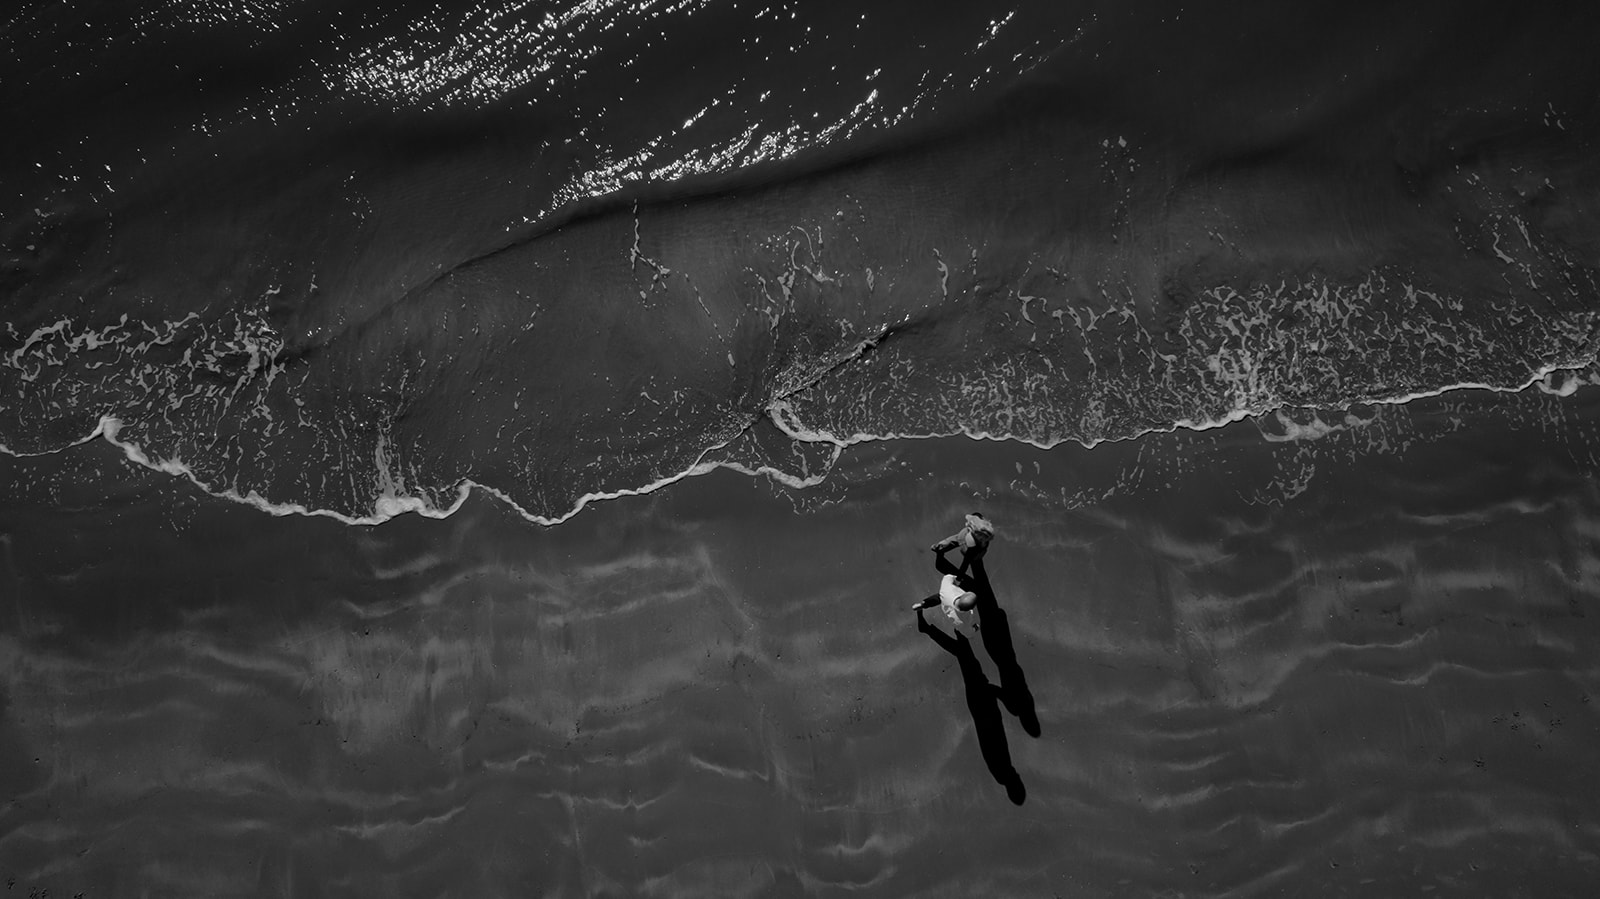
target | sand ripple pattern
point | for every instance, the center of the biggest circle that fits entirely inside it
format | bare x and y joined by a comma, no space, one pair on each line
1384,682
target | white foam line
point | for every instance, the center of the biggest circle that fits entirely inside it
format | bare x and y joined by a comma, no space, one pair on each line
799,432
20,454
388,507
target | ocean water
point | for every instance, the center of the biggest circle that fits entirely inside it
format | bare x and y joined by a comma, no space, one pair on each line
492,449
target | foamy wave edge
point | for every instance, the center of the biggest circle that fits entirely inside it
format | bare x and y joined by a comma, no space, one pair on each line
393,506
797,431
782,416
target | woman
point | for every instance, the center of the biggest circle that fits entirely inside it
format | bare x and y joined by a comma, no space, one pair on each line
973,538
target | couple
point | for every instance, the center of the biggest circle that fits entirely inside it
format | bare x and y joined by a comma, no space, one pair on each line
960,598
956,597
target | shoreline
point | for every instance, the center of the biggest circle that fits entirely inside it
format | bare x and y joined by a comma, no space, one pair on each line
719,687
391,506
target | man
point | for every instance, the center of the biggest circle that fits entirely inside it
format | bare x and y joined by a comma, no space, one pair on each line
956,600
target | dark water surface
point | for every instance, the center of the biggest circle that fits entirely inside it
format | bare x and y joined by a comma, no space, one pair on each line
356,261
491,449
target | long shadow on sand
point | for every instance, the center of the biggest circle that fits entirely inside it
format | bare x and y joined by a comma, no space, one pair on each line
995,628
984,699
983,703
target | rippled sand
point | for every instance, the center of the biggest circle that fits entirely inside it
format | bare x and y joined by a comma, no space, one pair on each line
1380,683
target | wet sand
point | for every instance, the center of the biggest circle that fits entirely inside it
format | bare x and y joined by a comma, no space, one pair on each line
1384,683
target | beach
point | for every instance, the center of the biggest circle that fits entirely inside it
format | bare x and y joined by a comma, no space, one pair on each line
719,689
493,447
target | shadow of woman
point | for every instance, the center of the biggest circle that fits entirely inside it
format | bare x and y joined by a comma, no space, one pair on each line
982,702
995,629
996,632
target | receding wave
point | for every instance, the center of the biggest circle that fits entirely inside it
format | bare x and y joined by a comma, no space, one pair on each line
366,316
882,300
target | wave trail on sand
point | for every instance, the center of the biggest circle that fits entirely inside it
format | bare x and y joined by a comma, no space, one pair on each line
1388,680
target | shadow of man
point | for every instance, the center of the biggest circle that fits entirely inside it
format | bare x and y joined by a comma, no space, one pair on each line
982,703
995,629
